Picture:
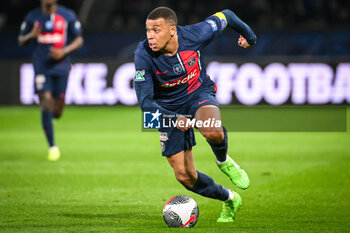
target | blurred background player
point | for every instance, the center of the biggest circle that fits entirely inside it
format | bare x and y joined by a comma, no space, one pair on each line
56,33
171,79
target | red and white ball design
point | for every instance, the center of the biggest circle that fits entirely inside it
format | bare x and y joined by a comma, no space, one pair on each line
180,211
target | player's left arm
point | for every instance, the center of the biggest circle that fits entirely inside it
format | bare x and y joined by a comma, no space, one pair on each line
74,28
247,36
213,26
59,53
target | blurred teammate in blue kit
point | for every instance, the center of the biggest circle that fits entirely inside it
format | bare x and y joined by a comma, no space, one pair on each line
56,32
171,79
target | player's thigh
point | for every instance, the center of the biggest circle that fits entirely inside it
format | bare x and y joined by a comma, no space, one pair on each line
208,112
173,140
58,107
59,92
60,82
212,131
42,82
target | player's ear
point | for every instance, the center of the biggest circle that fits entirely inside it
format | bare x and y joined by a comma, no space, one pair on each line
173,30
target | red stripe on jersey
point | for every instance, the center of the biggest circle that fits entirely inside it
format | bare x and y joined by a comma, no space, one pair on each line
60,27
59,34
190,60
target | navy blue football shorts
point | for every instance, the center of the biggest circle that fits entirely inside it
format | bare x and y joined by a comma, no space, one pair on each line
172,139
53,82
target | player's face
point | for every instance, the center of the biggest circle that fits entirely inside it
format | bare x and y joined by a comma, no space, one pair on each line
159,33
48,2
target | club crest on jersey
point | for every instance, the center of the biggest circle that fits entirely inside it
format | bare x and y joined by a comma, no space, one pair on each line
177,69
77,25
48,25
192,61
139,75
59,25
23,26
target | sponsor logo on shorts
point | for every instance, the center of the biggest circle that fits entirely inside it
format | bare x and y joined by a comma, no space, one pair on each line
162,145
40,80
163,136
202,102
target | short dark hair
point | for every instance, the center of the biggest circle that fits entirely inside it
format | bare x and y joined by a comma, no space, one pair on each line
165,13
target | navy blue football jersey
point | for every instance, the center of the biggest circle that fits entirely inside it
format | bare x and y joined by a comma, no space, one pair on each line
57,30
175,78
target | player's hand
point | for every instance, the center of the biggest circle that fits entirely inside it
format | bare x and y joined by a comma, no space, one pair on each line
57,53
36,31
243,42
182,123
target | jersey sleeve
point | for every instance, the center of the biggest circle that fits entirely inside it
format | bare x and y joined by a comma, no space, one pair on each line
207,30
144,86
143,77
74,25
27,24
239,26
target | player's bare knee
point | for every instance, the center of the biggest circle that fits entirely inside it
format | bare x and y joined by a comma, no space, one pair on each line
57,114
181,177
45,106
186,179
213,136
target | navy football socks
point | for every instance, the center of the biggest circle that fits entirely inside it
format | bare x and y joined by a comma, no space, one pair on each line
46,121
220,150
206,187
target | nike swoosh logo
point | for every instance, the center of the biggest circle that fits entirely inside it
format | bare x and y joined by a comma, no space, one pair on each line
159,72
201,102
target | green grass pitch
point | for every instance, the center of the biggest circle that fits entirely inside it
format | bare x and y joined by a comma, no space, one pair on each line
112,178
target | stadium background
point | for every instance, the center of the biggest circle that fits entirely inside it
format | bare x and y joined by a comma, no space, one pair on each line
300,179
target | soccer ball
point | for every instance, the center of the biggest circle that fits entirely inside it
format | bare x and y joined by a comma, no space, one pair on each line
180,211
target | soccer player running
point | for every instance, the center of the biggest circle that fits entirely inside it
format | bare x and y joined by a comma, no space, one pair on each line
171,79
56,32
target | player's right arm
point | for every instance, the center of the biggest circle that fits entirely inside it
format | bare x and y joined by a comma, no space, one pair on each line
29,30
144,86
